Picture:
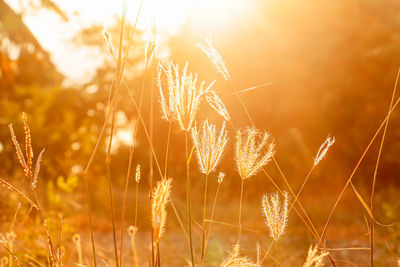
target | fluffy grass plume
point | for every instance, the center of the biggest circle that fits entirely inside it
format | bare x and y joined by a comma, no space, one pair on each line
323,149
216,103
137,174
184,94
235,260
315,259
216,59
209,145
275,213
159,201
253,150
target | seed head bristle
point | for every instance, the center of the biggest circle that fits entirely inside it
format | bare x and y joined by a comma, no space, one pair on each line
253,150
159,201
18,150
37,169
315,259
215,57
149,50
275,213
216,103
184,95
137,175
209,146
28,143
235,260
107,38
324,149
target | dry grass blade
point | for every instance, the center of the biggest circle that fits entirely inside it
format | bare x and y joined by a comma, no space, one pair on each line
14,189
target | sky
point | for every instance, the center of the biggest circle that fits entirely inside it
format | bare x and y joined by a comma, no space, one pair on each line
55,35
78,64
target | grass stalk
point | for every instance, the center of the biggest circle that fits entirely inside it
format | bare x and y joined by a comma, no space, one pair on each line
211,218
110,191
354,171
203,235
376,170
240,213
188,197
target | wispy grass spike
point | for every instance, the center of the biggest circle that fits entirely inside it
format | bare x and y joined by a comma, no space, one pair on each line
275,213
215,57
209,146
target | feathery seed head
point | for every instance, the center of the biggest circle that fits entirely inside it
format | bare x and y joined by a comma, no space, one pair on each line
184,95
314,259
216,103
324,149
137,175
209,146
159,201
28,146
235,260
275,213
215,57
221,177
149,50
107,38
253,150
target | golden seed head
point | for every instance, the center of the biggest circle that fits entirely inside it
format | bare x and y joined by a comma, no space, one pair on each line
324,149
149,50
159,201
216,103
275,213
138,175
221,177
209,146
235,260
215,57
184,95
107,38
315,259
253,150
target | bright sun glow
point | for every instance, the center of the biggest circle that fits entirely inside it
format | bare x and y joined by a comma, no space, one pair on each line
169,16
